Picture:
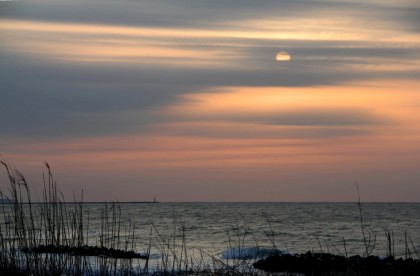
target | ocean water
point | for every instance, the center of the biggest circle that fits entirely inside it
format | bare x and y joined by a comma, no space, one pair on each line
231,231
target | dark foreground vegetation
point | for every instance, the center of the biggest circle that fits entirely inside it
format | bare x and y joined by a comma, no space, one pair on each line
51,238
329,264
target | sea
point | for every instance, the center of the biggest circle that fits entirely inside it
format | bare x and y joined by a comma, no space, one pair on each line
241,230
205,232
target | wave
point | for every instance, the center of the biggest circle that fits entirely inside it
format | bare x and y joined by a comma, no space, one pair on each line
249,252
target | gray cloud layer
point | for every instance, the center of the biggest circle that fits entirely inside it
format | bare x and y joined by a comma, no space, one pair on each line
202,13
43,97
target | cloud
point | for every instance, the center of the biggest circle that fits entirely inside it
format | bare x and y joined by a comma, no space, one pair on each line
296,124
324,118
64,83
183,13
48,98
187,13
412,17
237,130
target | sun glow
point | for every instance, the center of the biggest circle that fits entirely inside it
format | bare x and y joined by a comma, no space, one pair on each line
283,56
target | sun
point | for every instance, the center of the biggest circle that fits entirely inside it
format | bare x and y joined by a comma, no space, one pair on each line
283,56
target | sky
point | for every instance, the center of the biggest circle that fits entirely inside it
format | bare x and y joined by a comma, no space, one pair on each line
199,100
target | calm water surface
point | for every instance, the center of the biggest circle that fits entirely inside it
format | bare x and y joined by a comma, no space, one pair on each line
215,228
231,230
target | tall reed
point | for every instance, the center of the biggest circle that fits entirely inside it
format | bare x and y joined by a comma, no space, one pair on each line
48,237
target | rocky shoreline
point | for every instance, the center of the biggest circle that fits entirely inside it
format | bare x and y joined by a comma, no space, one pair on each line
98,251
330,264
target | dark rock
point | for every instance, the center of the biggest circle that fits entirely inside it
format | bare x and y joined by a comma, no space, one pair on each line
86,251
330,264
